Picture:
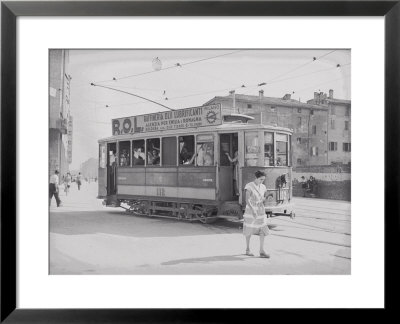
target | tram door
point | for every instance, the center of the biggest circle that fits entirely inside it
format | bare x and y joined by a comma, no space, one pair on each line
228,167
111,168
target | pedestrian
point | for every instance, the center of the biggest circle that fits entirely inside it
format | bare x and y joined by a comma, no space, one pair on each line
255,219
79,180
67,183
235,162
53,188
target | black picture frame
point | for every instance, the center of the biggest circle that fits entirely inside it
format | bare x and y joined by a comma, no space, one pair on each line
10,10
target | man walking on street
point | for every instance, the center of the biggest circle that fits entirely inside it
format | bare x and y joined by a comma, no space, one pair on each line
53,189
79,180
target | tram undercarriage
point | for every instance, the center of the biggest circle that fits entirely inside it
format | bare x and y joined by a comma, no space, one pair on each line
191,212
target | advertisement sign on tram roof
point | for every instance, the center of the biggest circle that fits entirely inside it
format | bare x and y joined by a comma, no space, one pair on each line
201,116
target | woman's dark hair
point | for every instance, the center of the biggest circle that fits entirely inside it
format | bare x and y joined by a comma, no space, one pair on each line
259,174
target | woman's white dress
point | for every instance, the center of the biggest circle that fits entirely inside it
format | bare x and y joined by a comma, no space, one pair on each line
255,225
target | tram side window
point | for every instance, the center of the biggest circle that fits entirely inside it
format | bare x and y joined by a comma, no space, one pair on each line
205,150
281,149
139,157
268,149
252,148
124,153
153,151
102,156
169,151
186,150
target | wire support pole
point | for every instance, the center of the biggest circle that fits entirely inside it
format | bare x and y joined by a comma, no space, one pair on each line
132,94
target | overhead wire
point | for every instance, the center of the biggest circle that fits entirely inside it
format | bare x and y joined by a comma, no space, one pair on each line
176,65
302,65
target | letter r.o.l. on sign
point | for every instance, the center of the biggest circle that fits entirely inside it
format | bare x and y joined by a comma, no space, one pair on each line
127,125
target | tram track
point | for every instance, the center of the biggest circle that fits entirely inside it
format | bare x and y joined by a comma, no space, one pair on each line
326,211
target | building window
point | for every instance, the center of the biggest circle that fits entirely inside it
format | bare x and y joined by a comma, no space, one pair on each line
299,110
346,147
299,162
346,125
314,129
347,113
298,140
312,112
249,106
273,108
298,122
314,151
333,124
332,146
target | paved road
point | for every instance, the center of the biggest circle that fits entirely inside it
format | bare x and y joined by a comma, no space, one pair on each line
88,238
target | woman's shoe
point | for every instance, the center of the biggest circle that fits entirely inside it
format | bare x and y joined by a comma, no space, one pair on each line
248,253
264,255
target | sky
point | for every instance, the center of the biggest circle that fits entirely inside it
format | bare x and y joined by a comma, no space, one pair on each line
189,78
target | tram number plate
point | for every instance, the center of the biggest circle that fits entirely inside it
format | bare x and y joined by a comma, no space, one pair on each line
161,192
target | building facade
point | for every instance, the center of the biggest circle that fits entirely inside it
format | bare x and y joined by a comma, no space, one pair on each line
321,127
90,168
60,119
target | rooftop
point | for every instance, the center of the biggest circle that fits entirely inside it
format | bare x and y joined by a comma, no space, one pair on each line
268,101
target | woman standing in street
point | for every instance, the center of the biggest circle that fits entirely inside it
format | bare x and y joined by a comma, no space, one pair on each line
67,183
255,220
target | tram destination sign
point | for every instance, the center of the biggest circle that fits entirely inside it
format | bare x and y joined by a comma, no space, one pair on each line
201,116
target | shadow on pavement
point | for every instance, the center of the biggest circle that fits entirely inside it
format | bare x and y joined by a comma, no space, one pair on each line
124,224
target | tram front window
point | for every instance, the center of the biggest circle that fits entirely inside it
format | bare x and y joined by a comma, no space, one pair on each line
252,148
268,149
281,150
153,151
124,153
186,150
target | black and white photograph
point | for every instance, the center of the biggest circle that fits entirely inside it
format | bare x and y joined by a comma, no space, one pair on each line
229,161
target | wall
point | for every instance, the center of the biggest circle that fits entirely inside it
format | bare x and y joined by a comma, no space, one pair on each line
329,185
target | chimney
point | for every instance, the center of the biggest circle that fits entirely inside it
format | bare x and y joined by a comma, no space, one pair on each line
330,94
232,93
287,96
316,96
261,94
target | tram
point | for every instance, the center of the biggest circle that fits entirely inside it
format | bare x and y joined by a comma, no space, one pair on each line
193,164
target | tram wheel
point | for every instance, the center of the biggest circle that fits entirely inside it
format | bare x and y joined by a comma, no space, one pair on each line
207,215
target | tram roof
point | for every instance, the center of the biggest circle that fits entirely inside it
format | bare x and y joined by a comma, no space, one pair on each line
224,127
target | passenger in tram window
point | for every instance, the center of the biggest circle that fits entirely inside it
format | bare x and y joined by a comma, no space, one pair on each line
137,158
124,158
154,157
113,158
185,157
235,161
141,153
205,155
